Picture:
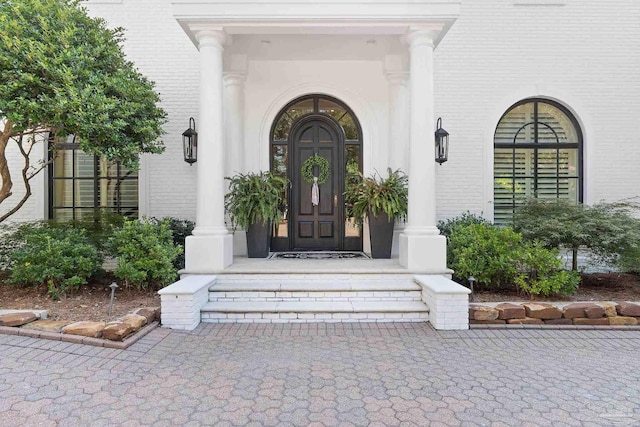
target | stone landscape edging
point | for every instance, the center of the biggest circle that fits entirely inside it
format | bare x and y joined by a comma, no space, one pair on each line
580,315
145,324
79,339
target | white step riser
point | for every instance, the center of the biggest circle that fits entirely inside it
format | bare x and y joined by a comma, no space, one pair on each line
215,317
316,296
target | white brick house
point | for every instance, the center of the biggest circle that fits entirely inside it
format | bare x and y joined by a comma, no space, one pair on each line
499,73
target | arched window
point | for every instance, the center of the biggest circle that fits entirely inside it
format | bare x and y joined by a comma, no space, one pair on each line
537,154
310,104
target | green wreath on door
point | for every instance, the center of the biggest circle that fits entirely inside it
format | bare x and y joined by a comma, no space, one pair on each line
323,166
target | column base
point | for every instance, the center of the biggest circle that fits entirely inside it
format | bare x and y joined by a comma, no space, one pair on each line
209,253
423,253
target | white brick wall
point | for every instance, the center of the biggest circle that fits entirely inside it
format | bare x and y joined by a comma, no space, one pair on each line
313,317
583,53
181,302
163,52
448,302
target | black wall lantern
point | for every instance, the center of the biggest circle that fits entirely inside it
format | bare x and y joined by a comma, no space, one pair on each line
190,143
442,143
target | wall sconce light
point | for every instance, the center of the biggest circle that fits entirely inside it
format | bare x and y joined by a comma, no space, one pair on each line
190,143
442,143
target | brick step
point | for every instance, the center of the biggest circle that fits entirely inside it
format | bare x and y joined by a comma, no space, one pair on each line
314,311
294,285
294,296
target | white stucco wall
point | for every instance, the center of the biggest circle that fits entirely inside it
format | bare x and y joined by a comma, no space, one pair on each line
272,84
583,54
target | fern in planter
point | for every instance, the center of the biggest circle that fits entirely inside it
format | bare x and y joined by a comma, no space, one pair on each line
254,198
382,200
254,202
377,196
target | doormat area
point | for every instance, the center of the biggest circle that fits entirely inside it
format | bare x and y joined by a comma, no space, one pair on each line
318,255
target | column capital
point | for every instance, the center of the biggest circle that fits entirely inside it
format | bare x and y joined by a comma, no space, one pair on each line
421,37
234,78
212,37
397,77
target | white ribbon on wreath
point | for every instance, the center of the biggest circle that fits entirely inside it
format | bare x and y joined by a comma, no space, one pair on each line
315,192
307,174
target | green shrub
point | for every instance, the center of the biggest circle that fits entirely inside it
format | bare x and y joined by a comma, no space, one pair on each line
145,252
543,274
12,238
181,229
99,227
62,259
498,257
466,218
484,252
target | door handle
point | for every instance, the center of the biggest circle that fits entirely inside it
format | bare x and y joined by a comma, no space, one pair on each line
335,201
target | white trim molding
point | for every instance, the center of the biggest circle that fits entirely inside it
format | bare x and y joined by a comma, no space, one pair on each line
316,17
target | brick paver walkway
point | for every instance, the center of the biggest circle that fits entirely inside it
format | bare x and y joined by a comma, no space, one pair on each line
326,374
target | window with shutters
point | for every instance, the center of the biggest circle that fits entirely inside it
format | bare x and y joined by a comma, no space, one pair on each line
81,184
537,154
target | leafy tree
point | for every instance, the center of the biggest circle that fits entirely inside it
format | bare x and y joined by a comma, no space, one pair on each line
63,72
608,230
557,223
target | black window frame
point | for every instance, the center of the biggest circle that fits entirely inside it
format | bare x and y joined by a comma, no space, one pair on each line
118,208
536,145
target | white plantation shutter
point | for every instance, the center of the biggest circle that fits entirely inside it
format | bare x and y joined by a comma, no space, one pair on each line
537,154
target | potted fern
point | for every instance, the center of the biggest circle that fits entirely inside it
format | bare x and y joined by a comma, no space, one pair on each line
254,202
382,201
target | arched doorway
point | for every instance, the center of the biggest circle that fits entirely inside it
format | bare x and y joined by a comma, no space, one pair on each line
323,126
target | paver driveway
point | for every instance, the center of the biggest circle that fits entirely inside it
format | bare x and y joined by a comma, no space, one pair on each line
327,374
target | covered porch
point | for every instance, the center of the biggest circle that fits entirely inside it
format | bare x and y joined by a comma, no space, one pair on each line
256,57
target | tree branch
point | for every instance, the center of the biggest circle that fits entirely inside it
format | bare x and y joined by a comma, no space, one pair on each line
25,179
5,174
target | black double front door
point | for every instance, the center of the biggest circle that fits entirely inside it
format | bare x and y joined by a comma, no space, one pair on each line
321,226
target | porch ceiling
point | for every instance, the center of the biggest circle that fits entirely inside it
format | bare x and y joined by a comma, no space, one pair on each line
312,17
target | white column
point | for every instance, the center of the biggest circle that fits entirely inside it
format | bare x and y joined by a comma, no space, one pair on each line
210,249
398,132
422,249
398,144
234,122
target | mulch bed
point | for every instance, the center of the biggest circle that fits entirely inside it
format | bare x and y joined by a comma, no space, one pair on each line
91,302
594,287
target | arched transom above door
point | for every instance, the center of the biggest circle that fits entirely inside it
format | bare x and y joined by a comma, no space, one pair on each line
316,124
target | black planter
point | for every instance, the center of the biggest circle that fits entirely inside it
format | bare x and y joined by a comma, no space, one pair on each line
258,239
381,234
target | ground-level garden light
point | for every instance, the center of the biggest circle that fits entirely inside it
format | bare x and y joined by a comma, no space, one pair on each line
190,143
113,287
471,280
442,143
